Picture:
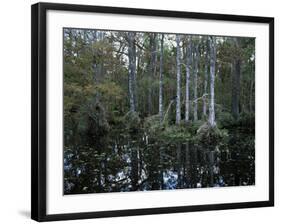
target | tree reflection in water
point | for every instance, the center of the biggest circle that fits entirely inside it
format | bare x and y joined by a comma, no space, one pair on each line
140,163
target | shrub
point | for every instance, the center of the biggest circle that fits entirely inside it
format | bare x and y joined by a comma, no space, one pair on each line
153,124
132,121
211,136
225,119
178,133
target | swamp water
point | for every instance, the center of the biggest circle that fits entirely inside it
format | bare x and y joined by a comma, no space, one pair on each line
138,162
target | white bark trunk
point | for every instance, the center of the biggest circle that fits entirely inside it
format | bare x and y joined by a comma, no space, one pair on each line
178,100
212,44
196,58
132,69
187,80
205,80
161,79
152,69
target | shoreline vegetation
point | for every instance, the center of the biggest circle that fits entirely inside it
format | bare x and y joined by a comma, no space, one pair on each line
148,111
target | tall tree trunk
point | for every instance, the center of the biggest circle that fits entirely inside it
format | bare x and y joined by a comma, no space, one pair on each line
161,80
187,77
153,56
212,43
205,80
178,100
132,69
94,64
135,75
100,66
236,73
195,77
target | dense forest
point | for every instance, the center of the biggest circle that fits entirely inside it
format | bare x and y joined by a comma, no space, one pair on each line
155,111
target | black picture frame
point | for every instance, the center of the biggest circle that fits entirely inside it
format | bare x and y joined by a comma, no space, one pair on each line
38,108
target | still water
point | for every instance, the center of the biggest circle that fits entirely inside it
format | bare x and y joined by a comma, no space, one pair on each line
140,163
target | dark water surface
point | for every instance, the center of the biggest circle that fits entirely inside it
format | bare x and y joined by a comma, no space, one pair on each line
139,163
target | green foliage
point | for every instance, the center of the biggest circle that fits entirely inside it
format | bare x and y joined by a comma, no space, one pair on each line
132,121
211,136
96,69
110,90
153,124
247,120
225,119
163,130
176,133
193,126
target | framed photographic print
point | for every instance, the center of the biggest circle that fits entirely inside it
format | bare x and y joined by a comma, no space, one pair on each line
139,111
